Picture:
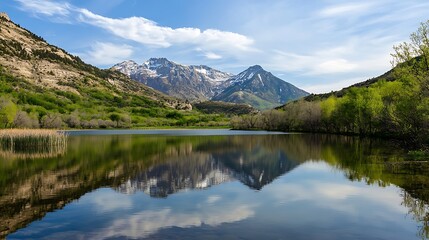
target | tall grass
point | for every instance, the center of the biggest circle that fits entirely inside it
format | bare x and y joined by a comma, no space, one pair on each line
27,143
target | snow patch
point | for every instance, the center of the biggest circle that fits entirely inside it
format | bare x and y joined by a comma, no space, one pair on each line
260,79
201,70
152,65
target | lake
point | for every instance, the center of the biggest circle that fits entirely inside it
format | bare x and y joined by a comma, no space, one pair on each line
214,184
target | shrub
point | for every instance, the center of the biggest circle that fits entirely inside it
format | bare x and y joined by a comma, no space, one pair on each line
52,120
23,120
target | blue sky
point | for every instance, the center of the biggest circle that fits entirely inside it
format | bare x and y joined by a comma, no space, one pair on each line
318,45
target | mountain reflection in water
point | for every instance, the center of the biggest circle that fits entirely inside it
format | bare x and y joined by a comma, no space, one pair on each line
212,163
163,165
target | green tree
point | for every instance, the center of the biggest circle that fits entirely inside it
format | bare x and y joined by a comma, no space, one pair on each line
8,110
371,109
413,57
328,108
412,69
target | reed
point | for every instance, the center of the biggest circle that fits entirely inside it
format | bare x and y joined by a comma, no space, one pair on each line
37,142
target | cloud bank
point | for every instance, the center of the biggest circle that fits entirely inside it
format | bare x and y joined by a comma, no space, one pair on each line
214,43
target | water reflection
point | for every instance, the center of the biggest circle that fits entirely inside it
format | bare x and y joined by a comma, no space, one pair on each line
159,166
186,166
11,152
143,222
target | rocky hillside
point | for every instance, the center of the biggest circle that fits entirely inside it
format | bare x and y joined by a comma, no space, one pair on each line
259,88
184,82
41,79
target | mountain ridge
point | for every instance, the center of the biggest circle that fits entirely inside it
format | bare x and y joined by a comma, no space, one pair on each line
193,83
200,83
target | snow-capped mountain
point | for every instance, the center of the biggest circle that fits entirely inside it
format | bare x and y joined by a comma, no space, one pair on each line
258,88
245,75
254,86
185,82
127,67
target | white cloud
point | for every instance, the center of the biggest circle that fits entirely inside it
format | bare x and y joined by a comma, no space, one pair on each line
320,63
338,65
214,43
108,53
212,55
353,60
326,87
213,198
108,201
335,195
145,223
149,33
45,7
345,9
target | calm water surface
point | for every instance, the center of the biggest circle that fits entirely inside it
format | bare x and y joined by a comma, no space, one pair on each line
213,184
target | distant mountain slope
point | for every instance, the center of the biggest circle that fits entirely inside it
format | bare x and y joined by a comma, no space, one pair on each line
259,88
388,76
41,79
185,82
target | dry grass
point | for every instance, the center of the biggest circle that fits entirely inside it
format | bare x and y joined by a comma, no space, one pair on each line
32,142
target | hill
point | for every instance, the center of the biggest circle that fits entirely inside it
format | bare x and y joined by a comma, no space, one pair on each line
388,76
42,85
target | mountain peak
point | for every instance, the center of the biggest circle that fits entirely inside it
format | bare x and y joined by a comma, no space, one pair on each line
125,63
248,74
255,68
129,62
126,67
159,59
154,63
259,88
